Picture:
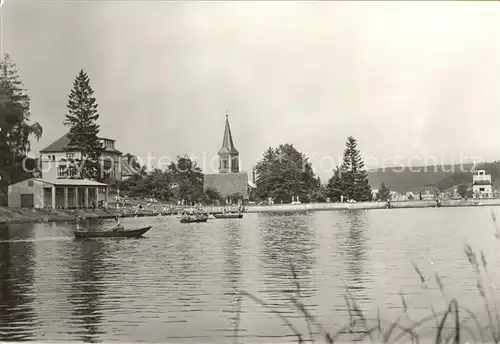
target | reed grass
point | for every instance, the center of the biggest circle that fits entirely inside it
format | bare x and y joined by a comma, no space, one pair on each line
461,318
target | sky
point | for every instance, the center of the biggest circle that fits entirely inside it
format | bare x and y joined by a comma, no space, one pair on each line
413,82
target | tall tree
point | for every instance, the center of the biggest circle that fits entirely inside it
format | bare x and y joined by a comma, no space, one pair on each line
187,178
15,125
335,186
284,172
82,119
384,193
355,184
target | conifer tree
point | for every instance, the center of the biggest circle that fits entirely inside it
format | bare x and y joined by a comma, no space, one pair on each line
334,187
15,125
355,184
83,134
384,193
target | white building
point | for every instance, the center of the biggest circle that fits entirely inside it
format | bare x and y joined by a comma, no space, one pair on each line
57,159
481,185
57,194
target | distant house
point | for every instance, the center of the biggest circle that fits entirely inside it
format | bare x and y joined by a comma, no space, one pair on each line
481,185
56,159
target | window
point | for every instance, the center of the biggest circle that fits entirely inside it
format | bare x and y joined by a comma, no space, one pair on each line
62,171
31,183
226,163
53,158
70,155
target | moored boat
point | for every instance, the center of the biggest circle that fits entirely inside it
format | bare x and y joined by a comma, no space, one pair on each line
134,233
194,219
228,216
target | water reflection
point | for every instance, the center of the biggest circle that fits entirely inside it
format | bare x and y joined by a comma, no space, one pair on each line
178,284
356,250
17,295
232,247
287,245
87,287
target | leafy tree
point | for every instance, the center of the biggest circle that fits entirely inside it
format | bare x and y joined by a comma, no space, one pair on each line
15,126
212,195
462,190
284,172
335,186
82,119
355,184
320,193
384,193
187,179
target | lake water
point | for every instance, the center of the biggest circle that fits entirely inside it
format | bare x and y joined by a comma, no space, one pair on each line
181,282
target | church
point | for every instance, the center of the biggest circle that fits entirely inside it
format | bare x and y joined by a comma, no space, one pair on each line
229,180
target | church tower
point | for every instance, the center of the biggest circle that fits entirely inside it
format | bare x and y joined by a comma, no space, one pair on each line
228,155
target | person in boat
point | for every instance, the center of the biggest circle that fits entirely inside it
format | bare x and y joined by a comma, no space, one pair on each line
117,226
78,228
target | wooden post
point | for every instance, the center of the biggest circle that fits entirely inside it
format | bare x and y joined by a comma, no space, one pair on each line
53,196
65,197
77,205
86,197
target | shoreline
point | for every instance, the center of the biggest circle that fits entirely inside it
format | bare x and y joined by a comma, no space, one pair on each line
20,216
368,205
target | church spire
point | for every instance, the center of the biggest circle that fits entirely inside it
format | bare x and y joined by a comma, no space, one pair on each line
227,140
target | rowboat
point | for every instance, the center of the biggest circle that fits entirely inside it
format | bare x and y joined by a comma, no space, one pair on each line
194,220
134,233
228,216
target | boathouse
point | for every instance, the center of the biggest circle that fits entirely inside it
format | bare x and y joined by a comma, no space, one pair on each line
230,180
57,193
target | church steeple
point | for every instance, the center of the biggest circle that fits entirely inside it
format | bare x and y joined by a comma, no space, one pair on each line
228,154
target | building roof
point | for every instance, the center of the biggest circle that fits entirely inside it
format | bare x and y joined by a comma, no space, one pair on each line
62,145
67,182
227,140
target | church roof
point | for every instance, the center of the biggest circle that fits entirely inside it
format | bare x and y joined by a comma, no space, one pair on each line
227,141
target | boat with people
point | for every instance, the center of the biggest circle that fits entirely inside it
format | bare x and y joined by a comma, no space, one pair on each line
121,233
229,216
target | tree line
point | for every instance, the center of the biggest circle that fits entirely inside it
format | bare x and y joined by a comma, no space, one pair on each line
283,172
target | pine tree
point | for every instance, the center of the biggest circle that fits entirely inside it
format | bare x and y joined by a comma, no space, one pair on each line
335,187
15,125
384,193
355,184
83,134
